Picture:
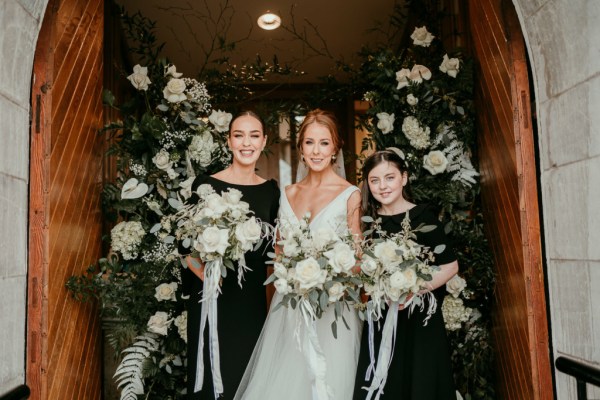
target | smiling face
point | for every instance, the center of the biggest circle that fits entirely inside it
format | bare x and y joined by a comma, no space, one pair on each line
386,183
317,147
246,140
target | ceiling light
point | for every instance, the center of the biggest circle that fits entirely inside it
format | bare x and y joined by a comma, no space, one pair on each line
269,21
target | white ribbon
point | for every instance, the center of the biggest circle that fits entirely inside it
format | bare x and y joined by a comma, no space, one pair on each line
210,293
310,346
242,268
386,350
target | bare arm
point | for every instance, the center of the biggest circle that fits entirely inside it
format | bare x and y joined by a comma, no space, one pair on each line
199,272
446,272
354,214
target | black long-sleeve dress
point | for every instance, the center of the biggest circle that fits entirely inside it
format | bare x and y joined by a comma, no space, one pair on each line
241,311
421,368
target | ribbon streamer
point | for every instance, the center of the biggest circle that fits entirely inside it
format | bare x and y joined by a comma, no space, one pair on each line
210,293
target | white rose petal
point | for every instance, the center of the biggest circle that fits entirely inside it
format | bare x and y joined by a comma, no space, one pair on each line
309,274
435,162
213,240
220,120
280,270
386,253
336,292
385,122
171,70
181,324
159,323
162,160
412,100
402,78
248,233
186,187
139,79
368,265
174,91
166,291
421,37
456,285
232,196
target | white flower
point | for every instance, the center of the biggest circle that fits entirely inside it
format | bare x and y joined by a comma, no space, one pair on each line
162,160
166,291
215,206
386,253
126,237
290,247
232,196
341,258
309,274
201,148
132,189
368,265
421,37
450,66
386,122
402,77
280,270
454,312
159,323
172,173
282,286
399,281
435,162
418,73
321,237
418,137
248,233
181,324
204,190
186,187
213,240
412,100
392,292
336,292
174,91
171,70
220,120
456,285
139,79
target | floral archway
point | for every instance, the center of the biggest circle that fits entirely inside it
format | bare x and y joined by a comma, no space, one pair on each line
172,128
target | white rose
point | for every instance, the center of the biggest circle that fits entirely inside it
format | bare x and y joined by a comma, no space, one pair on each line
412,100
204,190
220,120
309,274
450,66
341,258
421,37
139,79
456,285
162,160
321,237
399,281
402,77
368,265
166,291
290,247
186,187
248,233
386,122
282,287
159,323
173,92
336,291
410,275
386,253
232,196
393,293
280,270
213,240
418,73
171,70
215,204
435,162
181,324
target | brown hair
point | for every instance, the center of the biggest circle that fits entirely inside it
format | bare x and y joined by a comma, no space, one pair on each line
248,113
321,117
369,204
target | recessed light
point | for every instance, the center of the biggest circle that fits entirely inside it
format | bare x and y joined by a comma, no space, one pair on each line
269,21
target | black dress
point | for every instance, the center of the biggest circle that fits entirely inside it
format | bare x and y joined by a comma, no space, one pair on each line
241,311
420,367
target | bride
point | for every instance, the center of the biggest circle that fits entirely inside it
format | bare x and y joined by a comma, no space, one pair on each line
284,365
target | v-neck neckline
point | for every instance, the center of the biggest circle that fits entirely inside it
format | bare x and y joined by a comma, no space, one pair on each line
320,211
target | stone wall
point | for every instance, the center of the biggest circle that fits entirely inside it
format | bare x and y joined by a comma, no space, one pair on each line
20,21
563,39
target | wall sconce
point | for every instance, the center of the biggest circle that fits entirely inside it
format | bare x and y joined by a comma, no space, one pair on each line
269,21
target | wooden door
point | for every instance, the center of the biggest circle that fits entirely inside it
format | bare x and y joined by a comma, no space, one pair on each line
63,341
509,193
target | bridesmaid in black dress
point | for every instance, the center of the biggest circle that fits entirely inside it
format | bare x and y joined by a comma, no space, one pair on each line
241,311
420,367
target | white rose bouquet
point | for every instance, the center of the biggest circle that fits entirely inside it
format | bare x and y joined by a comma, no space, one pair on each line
395,270
315,270
218,230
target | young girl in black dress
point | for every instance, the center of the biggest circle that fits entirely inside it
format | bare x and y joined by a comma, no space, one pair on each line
420,368
241,312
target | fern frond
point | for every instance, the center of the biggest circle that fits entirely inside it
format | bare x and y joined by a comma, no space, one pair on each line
129,374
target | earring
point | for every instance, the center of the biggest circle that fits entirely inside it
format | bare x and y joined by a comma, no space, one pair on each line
302,158
333,158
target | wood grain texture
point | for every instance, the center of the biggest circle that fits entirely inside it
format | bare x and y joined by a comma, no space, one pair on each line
509,193
67,169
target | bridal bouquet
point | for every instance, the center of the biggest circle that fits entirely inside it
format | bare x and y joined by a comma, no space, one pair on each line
315,270
394,270
218,230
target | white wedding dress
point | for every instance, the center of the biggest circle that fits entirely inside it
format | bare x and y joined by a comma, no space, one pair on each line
283,363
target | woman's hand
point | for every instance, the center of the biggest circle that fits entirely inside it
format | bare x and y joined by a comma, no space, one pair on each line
196,266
